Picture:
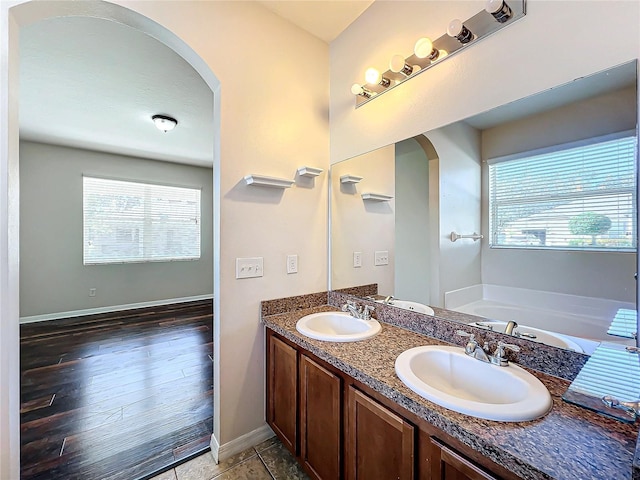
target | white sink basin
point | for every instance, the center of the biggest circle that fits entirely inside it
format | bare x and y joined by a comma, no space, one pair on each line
337,327
534,334
445,375
413,306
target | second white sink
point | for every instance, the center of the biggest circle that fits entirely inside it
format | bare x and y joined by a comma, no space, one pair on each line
337,327
448,377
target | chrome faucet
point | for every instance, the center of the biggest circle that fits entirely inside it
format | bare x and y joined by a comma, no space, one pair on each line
473,349
511,325
362,312
387,301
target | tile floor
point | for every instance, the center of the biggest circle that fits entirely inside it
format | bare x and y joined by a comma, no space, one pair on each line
268,461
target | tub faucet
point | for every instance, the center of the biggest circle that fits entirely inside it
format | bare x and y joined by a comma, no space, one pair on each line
511,325
387,301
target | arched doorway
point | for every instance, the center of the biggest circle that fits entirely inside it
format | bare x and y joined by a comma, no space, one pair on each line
13,17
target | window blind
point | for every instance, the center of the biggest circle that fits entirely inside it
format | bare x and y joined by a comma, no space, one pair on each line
574,198
127,222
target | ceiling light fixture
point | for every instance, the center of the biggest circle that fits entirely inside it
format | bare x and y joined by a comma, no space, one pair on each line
427,53
164,123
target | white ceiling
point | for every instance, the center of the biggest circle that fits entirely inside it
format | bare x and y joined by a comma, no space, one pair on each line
326,19
92,83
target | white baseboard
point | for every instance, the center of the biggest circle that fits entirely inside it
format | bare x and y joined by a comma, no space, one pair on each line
113,308
251,439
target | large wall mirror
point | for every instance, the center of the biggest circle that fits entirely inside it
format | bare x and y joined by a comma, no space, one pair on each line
549,182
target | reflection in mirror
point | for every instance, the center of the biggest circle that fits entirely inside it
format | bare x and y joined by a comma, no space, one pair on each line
550,183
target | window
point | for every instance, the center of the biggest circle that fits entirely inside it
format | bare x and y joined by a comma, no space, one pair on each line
575,197
126,222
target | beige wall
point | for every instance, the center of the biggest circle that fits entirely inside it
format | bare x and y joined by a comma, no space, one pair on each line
359,226
540,51
53,278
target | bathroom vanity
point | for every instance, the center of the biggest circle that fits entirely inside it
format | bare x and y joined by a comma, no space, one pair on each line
343,412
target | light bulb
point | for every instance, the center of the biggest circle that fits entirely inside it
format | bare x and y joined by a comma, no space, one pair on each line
499,9
399,65
423,47
372,76
457,30
396,64
492,6
454,28
359,90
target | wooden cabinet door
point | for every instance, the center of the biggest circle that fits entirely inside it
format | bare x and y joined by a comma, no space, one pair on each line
282,393
448,464
320,420
380,443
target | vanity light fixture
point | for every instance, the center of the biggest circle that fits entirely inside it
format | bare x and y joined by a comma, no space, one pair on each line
499,9
457,30
427,53
164,122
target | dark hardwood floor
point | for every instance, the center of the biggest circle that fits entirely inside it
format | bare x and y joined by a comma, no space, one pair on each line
116,396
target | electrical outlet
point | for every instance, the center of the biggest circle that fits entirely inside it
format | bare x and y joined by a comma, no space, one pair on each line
249,267
357,259
381,258
92,292
292,263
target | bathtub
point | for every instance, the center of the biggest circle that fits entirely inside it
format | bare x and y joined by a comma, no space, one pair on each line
584,320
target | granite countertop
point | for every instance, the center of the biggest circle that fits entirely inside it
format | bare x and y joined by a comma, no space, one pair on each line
569,443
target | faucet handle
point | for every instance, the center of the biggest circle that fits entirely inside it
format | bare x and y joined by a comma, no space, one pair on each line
509,346
366,313
462,333
471,345
498,357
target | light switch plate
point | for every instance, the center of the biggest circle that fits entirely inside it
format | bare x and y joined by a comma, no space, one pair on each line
249,267
292,263
381,257
357,259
